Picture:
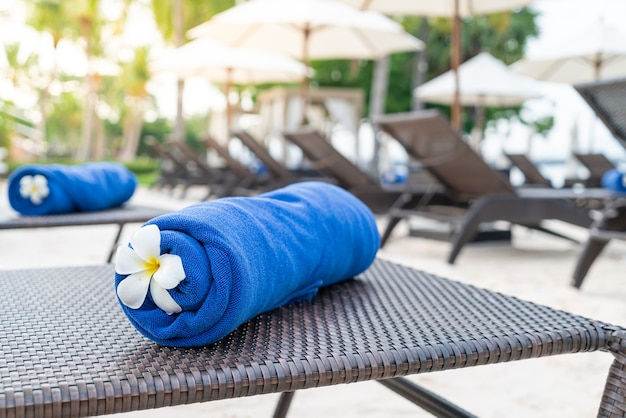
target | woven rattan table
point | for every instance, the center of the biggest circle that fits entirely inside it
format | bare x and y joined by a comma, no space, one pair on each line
68,350
119,216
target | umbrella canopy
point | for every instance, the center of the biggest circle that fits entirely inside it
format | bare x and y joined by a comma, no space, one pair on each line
595,53
483,81
219,63
308,29
454,9
439,8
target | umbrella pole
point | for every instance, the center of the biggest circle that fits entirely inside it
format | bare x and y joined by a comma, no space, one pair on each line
455,60
304,87
229,108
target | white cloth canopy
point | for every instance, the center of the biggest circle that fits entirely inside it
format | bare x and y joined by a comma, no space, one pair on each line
308,29
217,62
437,8
483,81
597,52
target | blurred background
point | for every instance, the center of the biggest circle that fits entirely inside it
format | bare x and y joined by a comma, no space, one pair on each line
86,80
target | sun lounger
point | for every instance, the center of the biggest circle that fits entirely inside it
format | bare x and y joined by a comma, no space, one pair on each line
597,165
531,173
218,181
428,137
68,350
276,169
339,169
176,169
117,216
606,98
610,225
243,180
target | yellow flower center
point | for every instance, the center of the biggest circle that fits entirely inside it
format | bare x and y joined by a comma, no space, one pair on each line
152,265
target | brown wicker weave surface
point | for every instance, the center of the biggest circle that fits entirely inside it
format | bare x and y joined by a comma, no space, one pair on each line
68,350
121,215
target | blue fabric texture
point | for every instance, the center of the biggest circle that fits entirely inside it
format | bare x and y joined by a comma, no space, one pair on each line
614,180
247,255
86,187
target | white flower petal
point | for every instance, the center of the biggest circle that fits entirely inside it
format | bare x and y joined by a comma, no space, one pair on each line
26,181
44,191
40,181
127,261
36,198
133,289
170,272
25,186
146,241
163,299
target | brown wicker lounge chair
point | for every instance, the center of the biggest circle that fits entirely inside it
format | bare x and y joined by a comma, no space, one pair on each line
428,137
182,168
243,181
68,350
173,171
339,169
597,165
531,173
116,216
606,98
280,174
611,224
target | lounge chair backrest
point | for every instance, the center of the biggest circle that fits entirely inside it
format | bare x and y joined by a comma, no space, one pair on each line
164,152
192,157
597,164
606,98
328,160
429,138
530,170
234,165
262,153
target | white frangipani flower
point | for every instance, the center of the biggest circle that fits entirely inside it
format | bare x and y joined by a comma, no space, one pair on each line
147,268
34,188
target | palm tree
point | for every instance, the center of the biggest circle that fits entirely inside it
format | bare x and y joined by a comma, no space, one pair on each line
173,18
54,18
132,84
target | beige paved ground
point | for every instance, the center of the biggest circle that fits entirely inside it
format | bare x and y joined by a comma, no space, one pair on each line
535,267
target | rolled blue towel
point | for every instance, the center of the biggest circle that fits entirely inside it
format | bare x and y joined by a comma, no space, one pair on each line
243,256
614,180
47,189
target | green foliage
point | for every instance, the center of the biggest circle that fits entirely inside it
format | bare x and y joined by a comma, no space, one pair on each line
63,126
6,125
159,129
194,13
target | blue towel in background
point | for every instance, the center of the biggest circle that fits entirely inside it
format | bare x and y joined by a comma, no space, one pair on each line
243,256
86,187
614,180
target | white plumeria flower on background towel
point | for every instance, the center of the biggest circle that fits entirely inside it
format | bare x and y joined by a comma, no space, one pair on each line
34,188
147,268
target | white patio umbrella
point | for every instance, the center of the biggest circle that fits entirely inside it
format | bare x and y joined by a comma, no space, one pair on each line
596,52
308,29
484,81
219,63
454,9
